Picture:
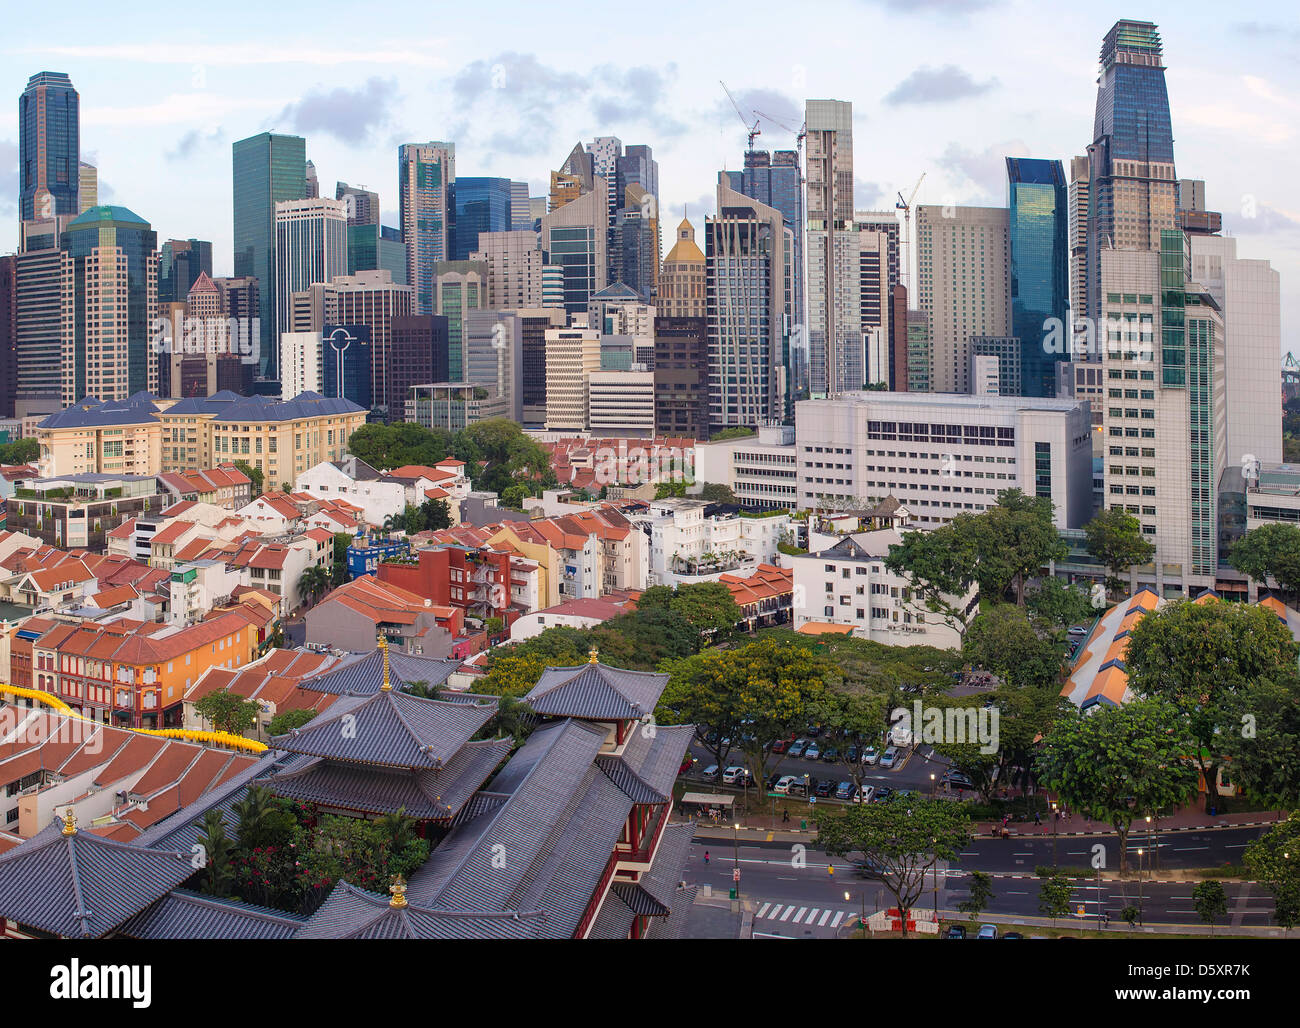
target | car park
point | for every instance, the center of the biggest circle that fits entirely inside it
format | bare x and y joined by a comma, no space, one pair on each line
814,730
783,786
812,752
772,780
799,787
711,771
987,931
797,748
735,776
957,780
890,757
870,756
1078,630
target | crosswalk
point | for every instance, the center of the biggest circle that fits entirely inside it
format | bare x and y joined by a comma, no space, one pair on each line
793,913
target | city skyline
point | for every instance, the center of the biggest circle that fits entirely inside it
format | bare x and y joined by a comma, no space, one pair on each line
514,109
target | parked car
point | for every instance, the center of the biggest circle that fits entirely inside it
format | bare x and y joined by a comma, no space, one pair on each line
812,752
866,795
797,748
844,791
783,785
890,757
814,730
824,787
956,931
1012,935
779,746
772,780
711,771
1078,630
869,755
830,753
854,755
957,780
987,931
883,793
734,776
799,787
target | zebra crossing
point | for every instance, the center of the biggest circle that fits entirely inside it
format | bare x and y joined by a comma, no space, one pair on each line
796,914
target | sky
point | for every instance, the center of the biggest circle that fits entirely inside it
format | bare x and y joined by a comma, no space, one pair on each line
948,88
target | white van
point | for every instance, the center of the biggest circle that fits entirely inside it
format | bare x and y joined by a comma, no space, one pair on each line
783,786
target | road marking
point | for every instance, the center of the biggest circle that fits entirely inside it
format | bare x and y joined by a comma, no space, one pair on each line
788,912
825,917
776,909
762,910
811,917
799,916
839,916
1189,849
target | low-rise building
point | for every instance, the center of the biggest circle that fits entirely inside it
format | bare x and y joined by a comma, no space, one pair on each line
81,510
698,541
352,616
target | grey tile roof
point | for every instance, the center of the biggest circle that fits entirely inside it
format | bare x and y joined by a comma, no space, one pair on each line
82,886
614,921
674,925
596,692
353,913
304,405
665,872
389,729
638,900
189,915
90,412
437,794
363,674
647,768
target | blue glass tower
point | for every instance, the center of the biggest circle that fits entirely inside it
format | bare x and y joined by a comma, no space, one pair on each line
1038,231
345,363
49,147
481,205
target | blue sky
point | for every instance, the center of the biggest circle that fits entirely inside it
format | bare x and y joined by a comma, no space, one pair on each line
945,87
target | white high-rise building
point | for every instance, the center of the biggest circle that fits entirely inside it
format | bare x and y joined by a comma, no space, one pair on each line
1077,198
829,155
300,363
311,246
515,267
572,357
621,403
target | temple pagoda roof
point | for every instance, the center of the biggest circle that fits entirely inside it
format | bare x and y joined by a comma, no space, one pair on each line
363,674
596,692
353,913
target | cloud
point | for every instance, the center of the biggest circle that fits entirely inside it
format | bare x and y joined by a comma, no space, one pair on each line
869,196
779,108
532,86
635,95
348,115
199,108
938,6
8,174
986,168
246,53
937,85
194,141
1267,30
1255,218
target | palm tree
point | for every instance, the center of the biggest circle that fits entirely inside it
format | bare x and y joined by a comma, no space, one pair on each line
314,582
217,848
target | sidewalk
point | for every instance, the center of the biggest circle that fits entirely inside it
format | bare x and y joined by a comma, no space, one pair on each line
1118,930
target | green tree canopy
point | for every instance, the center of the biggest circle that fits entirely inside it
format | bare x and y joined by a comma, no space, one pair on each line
1002,639
1269,551
20,451
227,712
1273,860
1115,539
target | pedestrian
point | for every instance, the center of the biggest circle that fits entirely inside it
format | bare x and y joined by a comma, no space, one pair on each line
785,815
1037,820
830,869
706,856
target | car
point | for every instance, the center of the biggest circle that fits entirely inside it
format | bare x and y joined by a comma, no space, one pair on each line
1078,630
799,787
867,868
869,755
797,747
783,785
812,752
772,780
866,795
779,746
956,931
890,757
882,793
711,771
957,780
814,730
830,754
735,776
987,931
824,787
1013,935
844,791
854,755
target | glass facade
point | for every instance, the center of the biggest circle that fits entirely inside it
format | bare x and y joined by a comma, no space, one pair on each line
425,173
345,363
49,145
573,249
1038,234
179,264
267,169
774,179
481,205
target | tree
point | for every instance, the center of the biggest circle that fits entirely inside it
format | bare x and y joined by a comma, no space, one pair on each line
1269,551
1054,891
227,712
708,607
1261,739
664,490
1210,901
897,842
217,847
1118,763
283,724
254,475
1273,860
1004,641
264,819
938,567
437,514
339,572
1198,656
1115,539
850,720
20,451
716,492
314,582
398,444
1053,604
980,895
1013,540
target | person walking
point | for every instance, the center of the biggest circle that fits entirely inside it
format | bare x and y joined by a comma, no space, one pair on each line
706,856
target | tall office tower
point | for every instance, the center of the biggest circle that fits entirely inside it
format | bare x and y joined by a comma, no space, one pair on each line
300,363
521,210
345,361
376,248
776,180
417,355
879,265
514,268
205,356
180,263
424,176
575,177
42,233
311,245
481,205
1192,216
747,255
1078,201
1038,236
681,376
537,208
268,169
841,288
241,303
493,348
605,152
575,237
634,243
1133,186
618,310
572,356
962,263
1249,294
87,187
681,282
313,182
1165,421
110,290
898,377
918,352
373,299
830,212
462,286
49,147
362,203
38,340
535,322
8,334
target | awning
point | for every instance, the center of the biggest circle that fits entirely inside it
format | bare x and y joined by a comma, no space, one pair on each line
708,799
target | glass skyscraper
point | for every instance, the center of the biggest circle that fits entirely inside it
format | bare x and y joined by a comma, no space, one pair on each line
268,169
179,265
345,363
481,205
1039,280
425,173
774,179
49,145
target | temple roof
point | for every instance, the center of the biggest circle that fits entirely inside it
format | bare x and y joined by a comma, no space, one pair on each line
363,675
189,915
647,768
353,913
596,692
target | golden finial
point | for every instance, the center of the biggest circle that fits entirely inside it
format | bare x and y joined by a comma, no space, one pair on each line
383,646
398,889
69,822
593,655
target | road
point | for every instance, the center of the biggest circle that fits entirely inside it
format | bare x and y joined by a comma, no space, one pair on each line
794,894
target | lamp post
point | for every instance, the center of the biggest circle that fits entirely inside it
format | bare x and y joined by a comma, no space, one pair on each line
1055,819
735,873
1140,852
1152,828
933,786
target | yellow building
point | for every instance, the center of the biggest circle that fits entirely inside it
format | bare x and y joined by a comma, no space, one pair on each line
282,440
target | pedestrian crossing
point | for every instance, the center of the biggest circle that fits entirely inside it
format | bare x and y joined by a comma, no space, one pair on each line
793,913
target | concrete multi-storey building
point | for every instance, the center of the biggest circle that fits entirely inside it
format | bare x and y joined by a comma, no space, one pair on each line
682,280
692,541
944,454
535,322
300,363
1077,198
829,151
621,403
963,267
572,357
760,470
493,357
575,237
515,265
424,175
681,376
311,245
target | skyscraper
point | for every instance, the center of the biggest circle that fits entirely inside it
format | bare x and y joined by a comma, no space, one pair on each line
180,263
345,363
681,283
311,245
417,356
363,203
1078,201
38,339
515,268
49,147
575,236
1133,185
268,169
461,287
425,173
87,187
481,205
830,211
1038,238
8,334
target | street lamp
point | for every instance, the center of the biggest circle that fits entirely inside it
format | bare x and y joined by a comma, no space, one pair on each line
1055,819
933,786
847,898
735,873
1140,904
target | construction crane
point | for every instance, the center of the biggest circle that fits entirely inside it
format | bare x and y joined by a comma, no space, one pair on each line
751,130
800,133
906,207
